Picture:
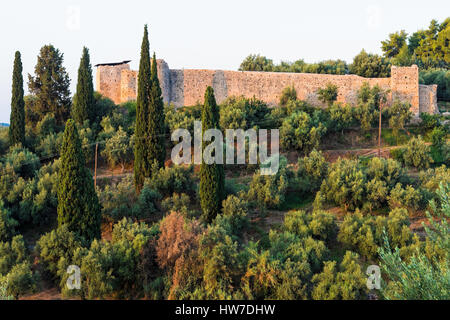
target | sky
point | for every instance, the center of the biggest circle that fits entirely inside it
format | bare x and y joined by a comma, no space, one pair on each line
201,34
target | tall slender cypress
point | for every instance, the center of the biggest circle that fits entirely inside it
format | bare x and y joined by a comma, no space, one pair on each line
83,100
78,205
17,117
142,167
212,176
156,145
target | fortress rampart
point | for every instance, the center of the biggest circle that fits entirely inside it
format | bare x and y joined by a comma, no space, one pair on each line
187,87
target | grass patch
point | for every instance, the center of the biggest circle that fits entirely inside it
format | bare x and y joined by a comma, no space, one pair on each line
235,185
388,137
294,201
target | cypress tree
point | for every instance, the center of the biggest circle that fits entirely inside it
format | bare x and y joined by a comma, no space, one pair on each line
83,100
17,118
156,146
141,165
78,205
212,176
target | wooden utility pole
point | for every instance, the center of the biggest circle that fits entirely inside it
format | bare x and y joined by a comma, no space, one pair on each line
379,129
95,168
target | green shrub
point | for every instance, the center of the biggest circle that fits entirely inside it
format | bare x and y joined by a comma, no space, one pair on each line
286,246
118,149
49,146
180,203
368,105
312,170
342,116
20,280
288,94
4,140
285,269
110,268
376,193
328,94
387,170
300,132
168,180
440,150
347,282
87,137
147,201
47,125
404,198
268,191
24,162
363,234
421,276
181,118
16,276
7,224
31,200
58,244
323,226
417,154
399,115
278,115
255,62
431,178
120,200
11,254
260,63
103,107
117,200
397,154
320,225
234,218
243,113
345,184
429,121
45,200
3,291
233,116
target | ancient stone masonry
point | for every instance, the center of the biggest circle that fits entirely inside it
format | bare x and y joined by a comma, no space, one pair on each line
187,87
428,98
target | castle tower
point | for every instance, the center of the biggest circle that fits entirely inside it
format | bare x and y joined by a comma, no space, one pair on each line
108,79
405,86
117,82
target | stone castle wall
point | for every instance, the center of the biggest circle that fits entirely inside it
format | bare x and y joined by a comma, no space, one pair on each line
187,87
428,98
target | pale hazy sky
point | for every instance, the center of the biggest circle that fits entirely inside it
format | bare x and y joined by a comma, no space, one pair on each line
201,34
